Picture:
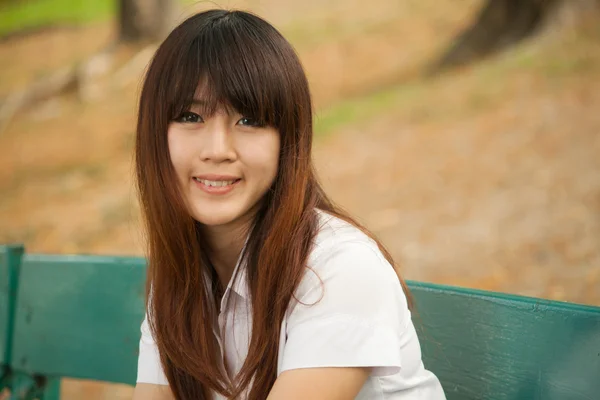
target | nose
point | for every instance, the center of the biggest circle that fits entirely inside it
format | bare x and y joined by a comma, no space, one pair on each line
217,145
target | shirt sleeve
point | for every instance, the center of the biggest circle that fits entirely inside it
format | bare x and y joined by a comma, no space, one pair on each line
149,366
352,314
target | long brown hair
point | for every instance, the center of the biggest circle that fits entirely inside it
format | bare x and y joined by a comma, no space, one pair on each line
247,65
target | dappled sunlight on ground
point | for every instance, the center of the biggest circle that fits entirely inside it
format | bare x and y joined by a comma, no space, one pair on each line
505,200
484,177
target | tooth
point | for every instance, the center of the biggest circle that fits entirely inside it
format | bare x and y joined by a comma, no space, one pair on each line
215,183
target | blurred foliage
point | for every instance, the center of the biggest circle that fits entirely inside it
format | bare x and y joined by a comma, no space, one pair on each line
485,176
18,15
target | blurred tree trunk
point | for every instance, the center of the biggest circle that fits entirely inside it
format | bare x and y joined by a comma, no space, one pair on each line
145,20
499,24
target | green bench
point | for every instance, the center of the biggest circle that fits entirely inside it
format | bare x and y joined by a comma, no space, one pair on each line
79,317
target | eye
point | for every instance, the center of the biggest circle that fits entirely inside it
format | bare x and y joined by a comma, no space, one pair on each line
189,117
247,121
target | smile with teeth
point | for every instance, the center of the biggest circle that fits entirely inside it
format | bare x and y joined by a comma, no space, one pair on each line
215,183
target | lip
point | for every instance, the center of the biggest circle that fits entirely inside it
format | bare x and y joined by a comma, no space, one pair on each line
216,190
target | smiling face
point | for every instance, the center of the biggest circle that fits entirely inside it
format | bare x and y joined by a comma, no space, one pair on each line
225,162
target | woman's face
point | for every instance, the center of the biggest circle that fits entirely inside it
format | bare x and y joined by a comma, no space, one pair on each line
224,162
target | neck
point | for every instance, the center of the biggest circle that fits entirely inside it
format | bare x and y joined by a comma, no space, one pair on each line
226,243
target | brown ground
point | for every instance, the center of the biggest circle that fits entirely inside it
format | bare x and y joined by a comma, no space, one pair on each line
488,177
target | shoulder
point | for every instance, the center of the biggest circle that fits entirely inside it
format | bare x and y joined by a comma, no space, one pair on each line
346,265
349,308
336,235
340,240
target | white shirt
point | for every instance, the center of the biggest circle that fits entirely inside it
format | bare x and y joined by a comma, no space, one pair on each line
352,312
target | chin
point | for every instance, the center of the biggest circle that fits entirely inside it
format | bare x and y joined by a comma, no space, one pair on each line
215,218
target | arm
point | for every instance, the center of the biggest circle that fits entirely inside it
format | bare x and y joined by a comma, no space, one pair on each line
148,391
152,383
319,384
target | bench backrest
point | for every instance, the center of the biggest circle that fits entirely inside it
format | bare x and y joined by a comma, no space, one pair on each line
4,307
10,257
79,316
486,345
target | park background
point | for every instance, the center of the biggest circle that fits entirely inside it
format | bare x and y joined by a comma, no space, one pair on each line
464,133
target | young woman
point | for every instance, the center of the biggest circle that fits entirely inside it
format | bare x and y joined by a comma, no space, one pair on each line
258,286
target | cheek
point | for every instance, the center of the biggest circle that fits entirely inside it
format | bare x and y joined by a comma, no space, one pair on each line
260,155
268,157
177,151
274,155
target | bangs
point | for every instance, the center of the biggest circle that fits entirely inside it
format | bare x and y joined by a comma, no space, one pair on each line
230,62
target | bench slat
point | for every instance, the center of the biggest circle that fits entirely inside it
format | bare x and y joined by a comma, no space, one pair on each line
4,307
79,316
494,346
10,259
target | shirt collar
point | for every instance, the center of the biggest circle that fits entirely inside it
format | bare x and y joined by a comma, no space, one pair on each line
238,283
